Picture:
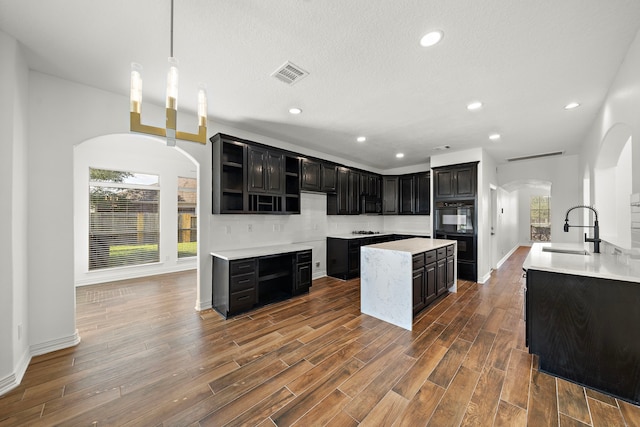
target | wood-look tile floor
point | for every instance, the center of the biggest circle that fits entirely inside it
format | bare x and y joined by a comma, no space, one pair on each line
148,359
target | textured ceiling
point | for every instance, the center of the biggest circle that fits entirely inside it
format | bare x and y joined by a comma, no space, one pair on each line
368,74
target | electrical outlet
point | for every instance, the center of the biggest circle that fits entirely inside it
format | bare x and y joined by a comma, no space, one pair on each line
250,227
317,263
227,229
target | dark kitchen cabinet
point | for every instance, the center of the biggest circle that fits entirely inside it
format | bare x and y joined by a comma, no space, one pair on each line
343,257
407,196
265,171
329,177
311,175
422,193
248,177
414,194
243,284
390,195
584,329
303,269
346,200
353,193
228,189
457,181
369,184
431,276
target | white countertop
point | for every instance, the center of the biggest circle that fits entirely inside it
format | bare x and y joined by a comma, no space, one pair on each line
606,266
382,233
414,246
259,251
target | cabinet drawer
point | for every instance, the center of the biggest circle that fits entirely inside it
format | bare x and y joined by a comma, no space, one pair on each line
442,252
244,300
430,257
418,261
303,256
450,250
242,282
243,267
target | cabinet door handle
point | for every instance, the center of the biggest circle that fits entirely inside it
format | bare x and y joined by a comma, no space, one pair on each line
243,281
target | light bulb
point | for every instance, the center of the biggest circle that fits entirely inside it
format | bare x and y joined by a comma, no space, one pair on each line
172,84
136,88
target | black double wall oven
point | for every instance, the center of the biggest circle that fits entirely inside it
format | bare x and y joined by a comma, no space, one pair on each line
456,220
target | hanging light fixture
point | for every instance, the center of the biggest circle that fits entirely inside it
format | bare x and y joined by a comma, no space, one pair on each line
171,104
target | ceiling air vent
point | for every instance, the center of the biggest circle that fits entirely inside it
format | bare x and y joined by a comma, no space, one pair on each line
536,156
441,148
289,73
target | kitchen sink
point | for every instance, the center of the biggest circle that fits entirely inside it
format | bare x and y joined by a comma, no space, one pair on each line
565,251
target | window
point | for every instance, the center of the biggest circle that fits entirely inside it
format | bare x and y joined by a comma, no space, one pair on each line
540,224
187,217
124,223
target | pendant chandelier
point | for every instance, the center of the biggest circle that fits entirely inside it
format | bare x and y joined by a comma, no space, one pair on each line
171,104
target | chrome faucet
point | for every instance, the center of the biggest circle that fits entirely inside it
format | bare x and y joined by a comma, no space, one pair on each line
596,228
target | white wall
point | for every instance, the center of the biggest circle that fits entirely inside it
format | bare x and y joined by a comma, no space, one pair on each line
524,207
135,153
619,116
566,191
508,223
14,310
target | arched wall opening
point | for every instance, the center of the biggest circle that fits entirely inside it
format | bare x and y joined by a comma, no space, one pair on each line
612,183
523,190
141,154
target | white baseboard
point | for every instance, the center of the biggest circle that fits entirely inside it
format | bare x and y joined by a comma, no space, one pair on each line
203,305
484,279
53,345
504,258
13,380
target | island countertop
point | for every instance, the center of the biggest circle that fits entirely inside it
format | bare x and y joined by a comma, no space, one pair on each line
603,265
414,246
258,251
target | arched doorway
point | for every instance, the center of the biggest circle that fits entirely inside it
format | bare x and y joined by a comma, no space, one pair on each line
139,154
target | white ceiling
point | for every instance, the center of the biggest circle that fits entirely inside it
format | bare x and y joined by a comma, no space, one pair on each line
368,74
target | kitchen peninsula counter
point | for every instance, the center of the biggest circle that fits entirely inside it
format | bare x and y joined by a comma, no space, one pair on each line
396,276
582,316
604,265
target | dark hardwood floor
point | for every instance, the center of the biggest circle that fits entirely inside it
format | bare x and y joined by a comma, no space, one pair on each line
148,359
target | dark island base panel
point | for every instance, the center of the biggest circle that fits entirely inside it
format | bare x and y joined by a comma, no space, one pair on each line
585,329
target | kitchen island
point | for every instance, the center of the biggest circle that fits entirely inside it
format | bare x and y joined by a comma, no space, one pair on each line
400,278
582,316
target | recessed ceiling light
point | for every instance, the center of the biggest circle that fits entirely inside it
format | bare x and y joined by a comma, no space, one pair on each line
431,38
295,110
475,105
571,106
400,155
494,136
361,139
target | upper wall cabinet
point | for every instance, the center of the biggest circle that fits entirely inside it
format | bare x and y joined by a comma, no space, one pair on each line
251,178
390,195
329,177
415,194
228,161
311,177
265,173
456,181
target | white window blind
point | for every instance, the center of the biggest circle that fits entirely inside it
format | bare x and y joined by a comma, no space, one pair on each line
187,217
124,221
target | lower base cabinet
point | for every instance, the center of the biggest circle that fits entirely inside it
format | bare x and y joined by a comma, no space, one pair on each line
241,285
585,329
433,274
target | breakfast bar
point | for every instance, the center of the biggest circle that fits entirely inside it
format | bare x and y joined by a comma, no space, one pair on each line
400,278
